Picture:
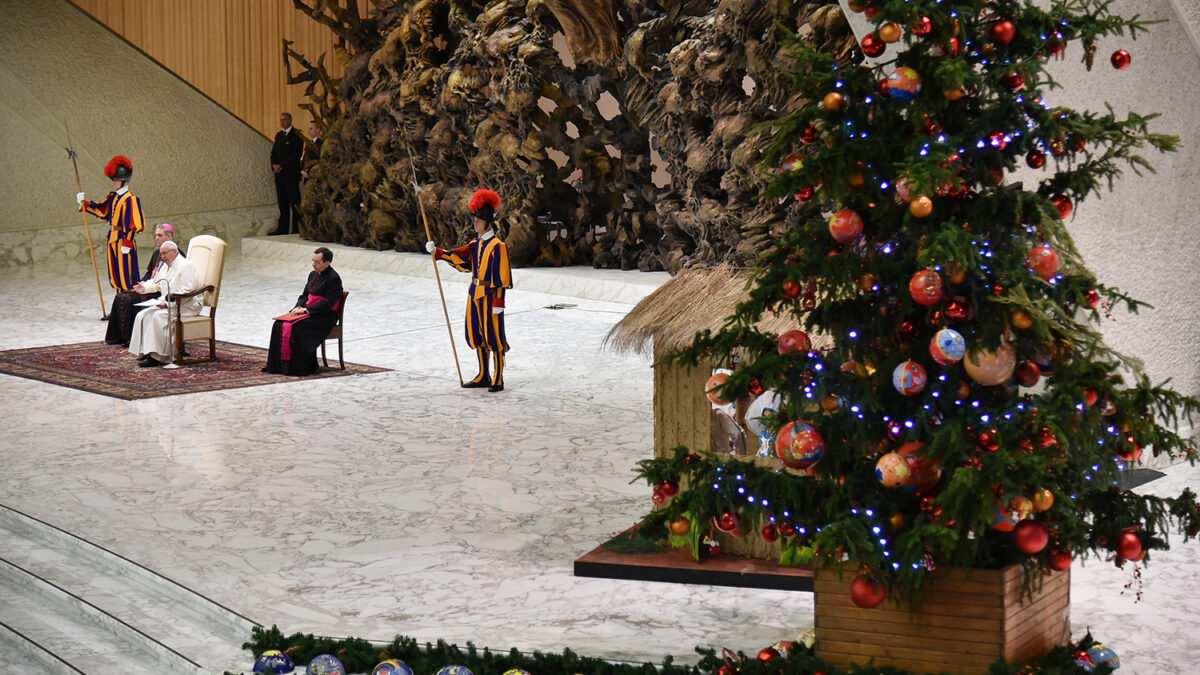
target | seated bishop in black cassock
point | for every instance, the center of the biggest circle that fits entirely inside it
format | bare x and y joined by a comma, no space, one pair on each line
297,334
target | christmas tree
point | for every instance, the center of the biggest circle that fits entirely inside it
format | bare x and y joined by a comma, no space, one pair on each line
964,410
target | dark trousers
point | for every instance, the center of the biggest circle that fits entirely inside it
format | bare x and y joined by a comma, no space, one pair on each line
287,192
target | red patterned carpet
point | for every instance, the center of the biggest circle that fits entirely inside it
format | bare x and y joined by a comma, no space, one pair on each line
112,371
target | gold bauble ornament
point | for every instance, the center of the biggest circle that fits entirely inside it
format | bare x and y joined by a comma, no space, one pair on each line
890,32
991,367
1021,319
921,207
833,101
954,94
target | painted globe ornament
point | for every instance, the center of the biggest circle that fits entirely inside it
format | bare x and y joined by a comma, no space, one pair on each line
925,287
792,341
909,378
799,445
903,84
1085,666
325,664
454,670
276,660
1043,261
516,671
892,470
792,163
1102,655
925,471
1120,59
867,592
903,189
947,347
713,385
766,404
845,226
991,367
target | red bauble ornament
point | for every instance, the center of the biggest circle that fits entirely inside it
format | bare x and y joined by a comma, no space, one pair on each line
809,135
804,194
727,522
790,289
1014,81
793,340
768,654
958,310
1057,147
926,287
1056,44
1027,374
1002,32
669,488
1129,546
727,670
1043,261
1063,204
906,331
872,45
1031,536
787,529
1093,298
871,12
923,26
866,592
1060,560
1035,159
769,532
986,440
657,497
1121,59
951,48
1077,142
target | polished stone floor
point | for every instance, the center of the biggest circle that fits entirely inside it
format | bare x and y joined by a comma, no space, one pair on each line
398,503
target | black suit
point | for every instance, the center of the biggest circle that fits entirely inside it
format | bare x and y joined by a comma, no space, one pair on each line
287,152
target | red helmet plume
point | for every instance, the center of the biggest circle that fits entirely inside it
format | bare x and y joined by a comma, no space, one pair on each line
484,204
119,168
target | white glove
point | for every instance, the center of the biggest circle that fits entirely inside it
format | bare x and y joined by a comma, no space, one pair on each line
429,247
79,198
497,310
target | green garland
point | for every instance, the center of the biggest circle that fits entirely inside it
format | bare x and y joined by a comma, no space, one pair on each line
360,656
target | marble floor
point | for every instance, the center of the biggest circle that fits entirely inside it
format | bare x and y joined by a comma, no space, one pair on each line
398,503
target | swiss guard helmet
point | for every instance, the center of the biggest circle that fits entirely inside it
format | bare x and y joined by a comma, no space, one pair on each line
485,204
119,168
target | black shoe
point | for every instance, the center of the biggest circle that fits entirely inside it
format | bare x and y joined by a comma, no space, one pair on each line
477,384
496,387
148,362
114,342
125,345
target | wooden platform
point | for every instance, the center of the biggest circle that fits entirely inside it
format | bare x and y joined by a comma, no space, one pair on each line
677,566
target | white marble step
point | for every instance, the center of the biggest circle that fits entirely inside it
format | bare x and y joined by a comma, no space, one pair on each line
136,604
23,656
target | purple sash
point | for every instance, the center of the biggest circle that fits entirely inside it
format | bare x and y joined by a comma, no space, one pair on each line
285,347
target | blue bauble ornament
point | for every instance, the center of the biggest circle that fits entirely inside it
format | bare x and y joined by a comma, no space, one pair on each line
947,346
278,661
325,664
1086,665
392,667
455,670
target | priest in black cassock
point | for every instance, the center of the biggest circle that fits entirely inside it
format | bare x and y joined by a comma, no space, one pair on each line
297,334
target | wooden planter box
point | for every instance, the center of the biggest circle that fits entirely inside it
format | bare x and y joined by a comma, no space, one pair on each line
962,626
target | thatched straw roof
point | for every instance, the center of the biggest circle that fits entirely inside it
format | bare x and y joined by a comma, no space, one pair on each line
692,301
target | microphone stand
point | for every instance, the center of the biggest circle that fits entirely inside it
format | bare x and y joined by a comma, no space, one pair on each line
170,364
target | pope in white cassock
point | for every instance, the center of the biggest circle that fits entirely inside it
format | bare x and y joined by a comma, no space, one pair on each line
175,274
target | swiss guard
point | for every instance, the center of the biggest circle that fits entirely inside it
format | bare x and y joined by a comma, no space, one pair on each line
123,211
486,258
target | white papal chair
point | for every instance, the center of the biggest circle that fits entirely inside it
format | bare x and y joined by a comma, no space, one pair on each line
207,253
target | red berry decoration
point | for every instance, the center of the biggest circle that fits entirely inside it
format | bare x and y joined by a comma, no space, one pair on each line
1093,298
926,287
1035,159
1031,536
866,592
1121,59
769,532
1129,546
1060,560
872,45
923,26
1002,32
790,289
793,340
1043,261
1063,204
